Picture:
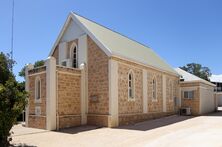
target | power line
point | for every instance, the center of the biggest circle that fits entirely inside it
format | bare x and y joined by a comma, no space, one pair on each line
12,34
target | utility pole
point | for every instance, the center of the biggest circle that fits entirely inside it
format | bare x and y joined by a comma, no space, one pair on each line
12,34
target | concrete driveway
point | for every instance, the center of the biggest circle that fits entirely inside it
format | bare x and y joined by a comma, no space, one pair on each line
170,131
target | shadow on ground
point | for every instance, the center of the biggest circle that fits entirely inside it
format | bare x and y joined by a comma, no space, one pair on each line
153,124
142,126
75,130
217,113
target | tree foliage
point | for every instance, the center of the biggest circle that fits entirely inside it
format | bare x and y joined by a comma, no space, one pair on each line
13,99
198,70
36,64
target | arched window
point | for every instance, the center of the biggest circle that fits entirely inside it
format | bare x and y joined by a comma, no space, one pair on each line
154,96
171,90
37,88
74,55
131,85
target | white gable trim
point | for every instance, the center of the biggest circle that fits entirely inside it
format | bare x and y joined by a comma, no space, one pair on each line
60,35
75,19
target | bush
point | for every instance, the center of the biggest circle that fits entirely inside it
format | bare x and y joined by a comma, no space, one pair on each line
13,100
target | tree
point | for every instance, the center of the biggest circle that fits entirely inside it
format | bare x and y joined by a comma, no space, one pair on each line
13,99
36,64
198,70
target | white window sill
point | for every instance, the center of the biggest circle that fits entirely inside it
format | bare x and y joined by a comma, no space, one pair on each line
38,101
154,100
131,99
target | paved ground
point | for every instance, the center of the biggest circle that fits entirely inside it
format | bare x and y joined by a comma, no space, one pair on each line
171,131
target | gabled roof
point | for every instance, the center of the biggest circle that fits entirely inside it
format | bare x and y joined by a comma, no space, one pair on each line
188,77
115,44
216,78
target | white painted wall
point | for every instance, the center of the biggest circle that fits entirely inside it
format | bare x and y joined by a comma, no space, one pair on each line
72,32
62,52
145,97
113,94
51,93
219,98
82,49
206,100
164,93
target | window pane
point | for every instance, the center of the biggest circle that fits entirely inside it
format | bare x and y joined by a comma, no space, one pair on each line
38,89
130,93
185,94
191,94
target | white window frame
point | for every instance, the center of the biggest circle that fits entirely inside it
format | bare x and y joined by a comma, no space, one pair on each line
71,51
190,94
38,97
132,88
154,89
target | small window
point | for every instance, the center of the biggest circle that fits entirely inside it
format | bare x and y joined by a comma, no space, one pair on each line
131,85
171,90
37,88
154,96
188,94
74,55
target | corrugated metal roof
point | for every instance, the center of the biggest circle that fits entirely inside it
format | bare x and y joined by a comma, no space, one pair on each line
216,78
122,46
188,77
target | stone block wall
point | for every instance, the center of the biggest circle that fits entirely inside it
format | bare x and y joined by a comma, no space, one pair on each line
170,97
98,83
131,111
127,106
194,103
68,95
34,120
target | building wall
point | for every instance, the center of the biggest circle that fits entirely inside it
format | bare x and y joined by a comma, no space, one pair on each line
56,51
131,111
170,103
98,84
207,101
68,95
194,103
34,120
218,97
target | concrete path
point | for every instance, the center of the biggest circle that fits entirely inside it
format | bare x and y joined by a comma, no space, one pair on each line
173,131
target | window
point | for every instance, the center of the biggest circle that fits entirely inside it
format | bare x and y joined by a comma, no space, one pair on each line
37,88
74,55
188,94
171,90
130,85
154,96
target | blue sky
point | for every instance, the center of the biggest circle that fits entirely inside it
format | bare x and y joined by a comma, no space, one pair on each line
180,31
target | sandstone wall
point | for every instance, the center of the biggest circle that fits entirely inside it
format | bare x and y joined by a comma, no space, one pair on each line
132,110
194,103
68,95
34,120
